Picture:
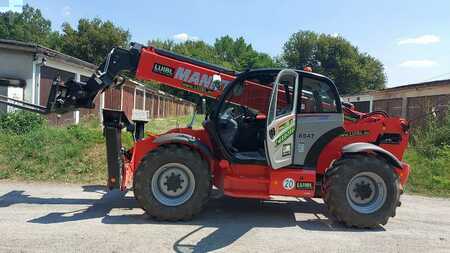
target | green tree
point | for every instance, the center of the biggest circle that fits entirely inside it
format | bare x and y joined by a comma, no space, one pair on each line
93,39
55,41
240,55
27,26
351,70
196,49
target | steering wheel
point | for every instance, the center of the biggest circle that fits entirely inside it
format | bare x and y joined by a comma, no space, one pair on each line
246,113
238,114
228,113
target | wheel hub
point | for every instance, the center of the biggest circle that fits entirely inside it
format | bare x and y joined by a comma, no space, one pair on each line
366,192
173,184
363,190
173,181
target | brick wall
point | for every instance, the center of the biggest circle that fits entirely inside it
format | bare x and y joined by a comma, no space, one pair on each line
413,102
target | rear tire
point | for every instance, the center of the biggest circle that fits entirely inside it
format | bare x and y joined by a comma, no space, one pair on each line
362,191
172,183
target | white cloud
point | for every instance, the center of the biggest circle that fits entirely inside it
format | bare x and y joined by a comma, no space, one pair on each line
184,37
66,11
421,40
418,64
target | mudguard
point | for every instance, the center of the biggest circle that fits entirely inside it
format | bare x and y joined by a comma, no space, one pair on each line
359,147
186,139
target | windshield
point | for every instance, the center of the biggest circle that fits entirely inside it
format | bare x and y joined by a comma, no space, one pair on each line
252,94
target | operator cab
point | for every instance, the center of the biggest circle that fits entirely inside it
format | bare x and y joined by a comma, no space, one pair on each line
242,114
263,118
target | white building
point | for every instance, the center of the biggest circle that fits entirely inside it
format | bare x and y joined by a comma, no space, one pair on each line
27,71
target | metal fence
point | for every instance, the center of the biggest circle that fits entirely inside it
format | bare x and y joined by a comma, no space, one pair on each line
135,96
131,97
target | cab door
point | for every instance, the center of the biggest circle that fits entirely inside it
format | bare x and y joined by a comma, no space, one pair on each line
319,119
281,119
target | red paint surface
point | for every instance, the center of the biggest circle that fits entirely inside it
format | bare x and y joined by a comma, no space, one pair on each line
255,180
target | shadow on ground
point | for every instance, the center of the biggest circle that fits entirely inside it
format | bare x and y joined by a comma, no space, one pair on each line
231,218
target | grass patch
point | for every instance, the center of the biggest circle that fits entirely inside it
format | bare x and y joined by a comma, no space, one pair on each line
429,175
73,154
429,158
164,125
50,154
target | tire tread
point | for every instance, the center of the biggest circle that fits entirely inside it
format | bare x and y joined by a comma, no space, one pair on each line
166,154
334,186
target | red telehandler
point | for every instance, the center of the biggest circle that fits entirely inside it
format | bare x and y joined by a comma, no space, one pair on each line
272,132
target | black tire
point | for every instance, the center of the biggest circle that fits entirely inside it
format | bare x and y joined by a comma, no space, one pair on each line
339,202
172,154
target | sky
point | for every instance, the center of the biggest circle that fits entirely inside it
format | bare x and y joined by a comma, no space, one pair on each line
411,38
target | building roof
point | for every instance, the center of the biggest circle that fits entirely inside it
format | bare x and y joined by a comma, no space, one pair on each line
419,85
36,48
403,87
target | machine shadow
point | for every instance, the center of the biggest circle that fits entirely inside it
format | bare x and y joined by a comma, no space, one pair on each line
97,207
227,218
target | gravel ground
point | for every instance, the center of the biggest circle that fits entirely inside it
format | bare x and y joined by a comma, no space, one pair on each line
37,217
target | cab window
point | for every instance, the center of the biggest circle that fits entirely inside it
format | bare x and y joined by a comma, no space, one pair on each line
317,97
285,96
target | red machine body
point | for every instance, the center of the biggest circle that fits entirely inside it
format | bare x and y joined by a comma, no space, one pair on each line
255,180
272,132
261,181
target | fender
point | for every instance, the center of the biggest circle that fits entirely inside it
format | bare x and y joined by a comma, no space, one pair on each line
186,139
359,147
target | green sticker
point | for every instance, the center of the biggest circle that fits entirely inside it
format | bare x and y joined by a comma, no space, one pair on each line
304,185
290,131
355,133
285,125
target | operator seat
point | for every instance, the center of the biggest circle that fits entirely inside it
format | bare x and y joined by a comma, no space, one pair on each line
236,137
228,128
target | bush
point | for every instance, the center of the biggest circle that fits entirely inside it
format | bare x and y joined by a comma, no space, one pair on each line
429,157
432,137
20,122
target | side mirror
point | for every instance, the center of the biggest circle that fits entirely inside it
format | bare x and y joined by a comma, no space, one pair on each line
216,82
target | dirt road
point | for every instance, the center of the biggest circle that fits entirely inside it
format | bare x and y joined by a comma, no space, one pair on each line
73,218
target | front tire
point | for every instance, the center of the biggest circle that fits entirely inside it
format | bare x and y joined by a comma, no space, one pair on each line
172,183
362,191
